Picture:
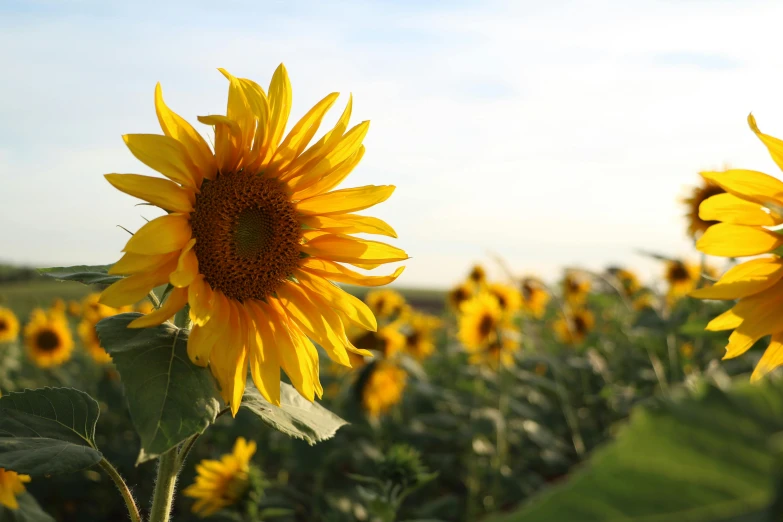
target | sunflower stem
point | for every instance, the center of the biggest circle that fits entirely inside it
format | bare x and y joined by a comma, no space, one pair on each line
125,491
165,483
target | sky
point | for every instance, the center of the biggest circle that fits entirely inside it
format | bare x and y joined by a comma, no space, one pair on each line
551,134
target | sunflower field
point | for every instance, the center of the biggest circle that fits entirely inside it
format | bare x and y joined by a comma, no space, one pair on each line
244,360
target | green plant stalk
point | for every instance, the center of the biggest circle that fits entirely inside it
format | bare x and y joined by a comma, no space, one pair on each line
127,496
165,483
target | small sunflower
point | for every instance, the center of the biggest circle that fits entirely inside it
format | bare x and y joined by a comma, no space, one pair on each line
383,389
480,320
629,282
534,297
574,328
387,341
643,300
499,352
9,325
696,225
91,343
11,486
385,304
74,308
477,276
254,237
508,297
575,288
222,483
752,203
682,277
459,295
58,305
93,310
47,338
420,338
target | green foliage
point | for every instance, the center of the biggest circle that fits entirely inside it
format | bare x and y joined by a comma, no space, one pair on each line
48,431
296,416
169,397
88,275
29,511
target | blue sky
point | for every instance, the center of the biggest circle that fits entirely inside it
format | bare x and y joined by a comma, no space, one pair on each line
551,133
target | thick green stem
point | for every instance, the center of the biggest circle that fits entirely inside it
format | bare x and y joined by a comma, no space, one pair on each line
133,510
163,498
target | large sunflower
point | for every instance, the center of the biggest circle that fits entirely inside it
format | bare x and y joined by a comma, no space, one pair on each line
753,202
254,237
696,225
221,483
11,486
47,338
9,325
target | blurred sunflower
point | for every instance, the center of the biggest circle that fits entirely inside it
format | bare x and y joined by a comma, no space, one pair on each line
385,304
255,237
74,308
629,283
91,343
643,300
498,352
459,295
508,297
534,297
681,276
58,305
575,288
480,320
9,325
47,338
477,276
574,328
222,483
696,225
420,338
11,486
753,202
383,388
387,341
93,310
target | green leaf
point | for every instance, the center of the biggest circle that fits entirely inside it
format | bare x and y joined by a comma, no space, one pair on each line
29,511
706,458
88,275
296,416
48,431
169,397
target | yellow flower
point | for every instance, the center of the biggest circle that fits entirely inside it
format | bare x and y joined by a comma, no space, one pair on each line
11,486
145,307
753,202
629,283
575,288
385,304
93,310
459,295
574,328
480,321
508,297
498,352
387,341
9,325
74,308
221,483
696,225
643,300
477,276
383,389
682,277
91,343
686,350
47,338
534,297
419,340
254,237
58,305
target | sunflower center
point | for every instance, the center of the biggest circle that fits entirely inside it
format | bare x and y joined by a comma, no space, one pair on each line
485,325
678,272
47,341
3,325
412,339
247,235
579,324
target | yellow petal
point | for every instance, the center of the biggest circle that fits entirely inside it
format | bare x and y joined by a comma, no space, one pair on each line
728,320
227,360
774,145
164,154
324,176
228,141
175,301
264,361
341,274
294,363
347,249
350,224
728,208
725,239
761,315
176,127
351,307
131,263
200,349
772,358
158,191
200,297
133,289
187,266
238,110
750,185
162,235
750,277
345,200
279,108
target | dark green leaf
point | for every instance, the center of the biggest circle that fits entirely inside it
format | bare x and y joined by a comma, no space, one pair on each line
169,397
29,511
88,275
48,431
296,416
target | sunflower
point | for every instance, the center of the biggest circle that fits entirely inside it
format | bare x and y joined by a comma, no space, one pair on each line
477,276
387,340
574,328
696,225
91,343
74,308
575,288
643,300
385,304
534,297
254,237
222,483
682,277
480,320
629,282
459,295
383,388
9,325
753,202
93,310
508,297
47,338
419,339
11,486
499,352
